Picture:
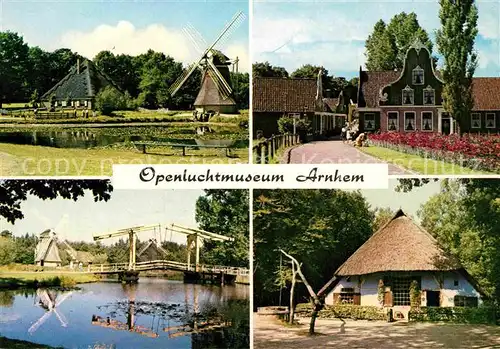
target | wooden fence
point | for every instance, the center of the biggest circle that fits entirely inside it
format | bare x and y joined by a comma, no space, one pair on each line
266,150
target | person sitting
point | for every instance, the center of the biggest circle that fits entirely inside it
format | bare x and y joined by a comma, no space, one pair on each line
360,140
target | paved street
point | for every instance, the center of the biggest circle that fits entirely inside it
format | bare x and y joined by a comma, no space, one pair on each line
336,152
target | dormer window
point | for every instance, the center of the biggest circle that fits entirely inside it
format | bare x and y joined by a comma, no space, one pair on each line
429,96
418,76
408,96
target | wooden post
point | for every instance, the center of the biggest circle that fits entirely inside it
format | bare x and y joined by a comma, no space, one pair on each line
262,153
144,148
197,248
131,237
272,148
258,153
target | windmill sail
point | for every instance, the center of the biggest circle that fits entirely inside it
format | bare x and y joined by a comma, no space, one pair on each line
215,92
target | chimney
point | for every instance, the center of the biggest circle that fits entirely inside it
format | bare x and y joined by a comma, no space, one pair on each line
78,66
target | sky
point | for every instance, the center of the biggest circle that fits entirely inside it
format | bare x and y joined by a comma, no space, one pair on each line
127,26
333,33
80,220
409,202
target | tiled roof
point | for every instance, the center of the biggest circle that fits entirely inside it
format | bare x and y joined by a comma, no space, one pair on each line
285,95
372,82
331,103
486,92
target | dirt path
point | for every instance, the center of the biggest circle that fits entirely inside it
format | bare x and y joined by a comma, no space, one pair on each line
271,334
336,152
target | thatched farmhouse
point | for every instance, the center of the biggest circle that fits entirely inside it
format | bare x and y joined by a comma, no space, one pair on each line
152,251
399,266
80,87
46,251
410,99
294,97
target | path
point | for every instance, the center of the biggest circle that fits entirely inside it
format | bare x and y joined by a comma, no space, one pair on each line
271,334
336,152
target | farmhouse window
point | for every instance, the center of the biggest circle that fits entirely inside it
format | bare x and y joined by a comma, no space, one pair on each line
429,96
476,120
408,97
418,76
347,295
427,123
393,121
490,120
401,290
464,301
369,121
409,121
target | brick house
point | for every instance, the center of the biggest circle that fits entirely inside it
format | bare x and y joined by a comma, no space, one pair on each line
301,98
410,99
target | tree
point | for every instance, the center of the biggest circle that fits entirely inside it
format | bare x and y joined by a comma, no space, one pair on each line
14,192
464,218
322,228
387,45
455,40
266,70
13,67
109,100
381,49
225,212
241,88
382,216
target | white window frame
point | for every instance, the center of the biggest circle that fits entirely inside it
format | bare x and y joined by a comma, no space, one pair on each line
397,121
417,68
494,120
364,122
429,89
414,121
472,120
422,121
412,96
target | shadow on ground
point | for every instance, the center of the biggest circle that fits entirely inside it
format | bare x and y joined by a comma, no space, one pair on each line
269,334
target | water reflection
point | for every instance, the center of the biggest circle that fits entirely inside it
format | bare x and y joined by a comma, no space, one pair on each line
49,300
155,313
102,137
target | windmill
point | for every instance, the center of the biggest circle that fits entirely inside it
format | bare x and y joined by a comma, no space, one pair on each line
216,92
48,301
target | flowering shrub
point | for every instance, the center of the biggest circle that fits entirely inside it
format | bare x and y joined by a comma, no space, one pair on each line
481,152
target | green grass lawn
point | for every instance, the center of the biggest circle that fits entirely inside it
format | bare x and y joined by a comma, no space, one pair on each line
126,116
27,160
418,164
31,279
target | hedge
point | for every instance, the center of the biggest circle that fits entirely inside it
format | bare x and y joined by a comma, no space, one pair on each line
479,315
355,312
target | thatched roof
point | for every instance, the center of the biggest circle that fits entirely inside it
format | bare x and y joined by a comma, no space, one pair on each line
210,95
83,82
46,249
152,251
399,245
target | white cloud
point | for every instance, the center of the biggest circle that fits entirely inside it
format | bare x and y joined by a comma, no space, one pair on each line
125,38
488,22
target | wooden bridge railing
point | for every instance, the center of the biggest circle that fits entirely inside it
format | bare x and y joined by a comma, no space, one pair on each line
164,264
266,150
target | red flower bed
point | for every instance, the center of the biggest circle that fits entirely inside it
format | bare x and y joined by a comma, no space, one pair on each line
480,149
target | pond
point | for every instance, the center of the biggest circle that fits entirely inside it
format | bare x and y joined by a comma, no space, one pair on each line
155,313
92,137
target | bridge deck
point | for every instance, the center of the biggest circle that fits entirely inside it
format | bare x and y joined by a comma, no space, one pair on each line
166,265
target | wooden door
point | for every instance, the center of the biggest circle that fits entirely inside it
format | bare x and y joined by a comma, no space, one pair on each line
388,299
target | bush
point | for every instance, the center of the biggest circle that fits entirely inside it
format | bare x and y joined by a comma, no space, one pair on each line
285,125
109,100
480,315
355,312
